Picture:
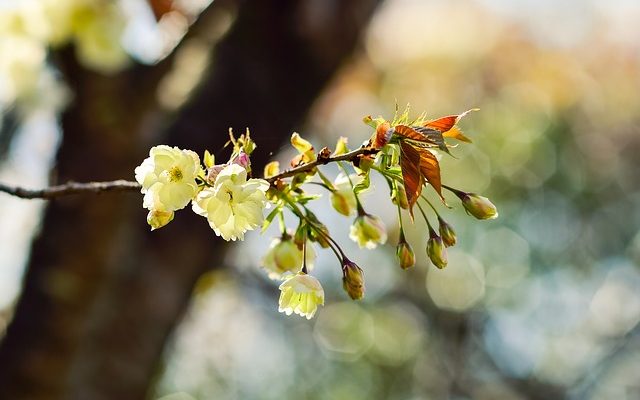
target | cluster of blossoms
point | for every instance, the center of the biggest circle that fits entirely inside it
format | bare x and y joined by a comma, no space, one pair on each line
172,178
404,152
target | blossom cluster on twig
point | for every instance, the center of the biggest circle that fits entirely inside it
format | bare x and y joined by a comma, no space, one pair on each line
405,152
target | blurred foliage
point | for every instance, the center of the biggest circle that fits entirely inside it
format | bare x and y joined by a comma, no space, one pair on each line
540,303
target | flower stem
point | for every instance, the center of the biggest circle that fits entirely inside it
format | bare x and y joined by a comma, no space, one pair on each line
425,217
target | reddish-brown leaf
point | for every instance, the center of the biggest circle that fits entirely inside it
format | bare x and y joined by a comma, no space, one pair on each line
442,124
430,169
382,135
411,174
420,136
446,125
416,133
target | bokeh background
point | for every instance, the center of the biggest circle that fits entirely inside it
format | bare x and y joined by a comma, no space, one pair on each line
542,303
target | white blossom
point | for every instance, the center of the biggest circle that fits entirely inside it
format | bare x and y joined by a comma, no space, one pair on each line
168,178
300,294
234,204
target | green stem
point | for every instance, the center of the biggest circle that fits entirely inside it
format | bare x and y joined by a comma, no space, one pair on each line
425,218
283,227
344,169
294,208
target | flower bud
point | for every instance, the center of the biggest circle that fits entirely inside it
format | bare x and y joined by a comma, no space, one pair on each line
157,219
478,206
399,197
341,146
271,169
285,256
447,233
404,253
343,199
343,202
383,134
304,147
436,250
368,231
352,279
248,145
212,172
242,159
208,159
365,162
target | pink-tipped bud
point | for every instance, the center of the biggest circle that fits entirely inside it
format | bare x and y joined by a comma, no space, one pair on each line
352,279
212,173
447,233
436,250
242,159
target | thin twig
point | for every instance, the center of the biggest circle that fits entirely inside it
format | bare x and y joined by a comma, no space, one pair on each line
122,185
70,188
350,156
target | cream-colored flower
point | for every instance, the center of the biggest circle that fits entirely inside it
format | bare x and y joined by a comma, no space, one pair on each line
168,178
285,257
234,204
300,294
368,231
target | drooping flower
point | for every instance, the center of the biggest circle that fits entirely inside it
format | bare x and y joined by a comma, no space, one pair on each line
234,204
343,199
300,294
399,197
352,279
168,178
368,231
405,255
447,233
285,257
436,250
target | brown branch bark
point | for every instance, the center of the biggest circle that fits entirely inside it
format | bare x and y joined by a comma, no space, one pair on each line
71,188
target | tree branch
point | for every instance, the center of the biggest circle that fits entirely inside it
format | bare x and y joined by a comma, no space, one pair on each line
323,160
122,185
70,188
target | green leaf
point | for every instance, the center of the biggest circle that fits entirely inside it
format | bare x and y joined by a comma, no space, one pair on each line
364,184
326,180
305,198
267,221
209,160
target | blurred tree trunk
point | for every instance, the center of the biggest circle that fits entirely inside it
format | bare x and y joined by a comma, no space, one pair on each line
101,294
